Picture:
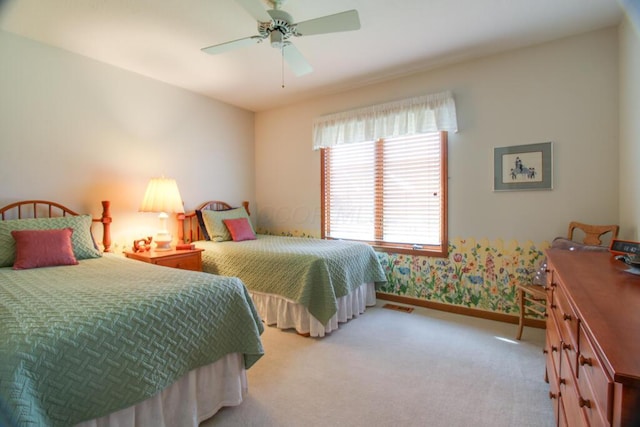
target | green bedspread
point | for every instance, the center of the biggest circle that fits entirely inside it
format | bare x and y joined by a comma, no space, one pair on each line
78,342
311,272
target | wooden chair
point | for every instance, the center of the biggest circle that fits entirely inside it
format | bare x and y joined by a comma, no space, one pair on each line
593,233
532,299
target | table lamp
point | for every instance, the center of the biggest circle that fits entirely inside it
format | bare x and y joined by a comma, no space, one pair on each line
162,196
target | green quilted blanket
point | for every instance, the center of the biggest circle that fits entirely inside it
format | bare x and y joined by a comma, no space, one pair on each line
78,342
311,272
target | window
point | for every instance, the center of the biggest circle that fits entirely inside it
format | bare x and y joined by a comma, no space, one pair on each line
391,193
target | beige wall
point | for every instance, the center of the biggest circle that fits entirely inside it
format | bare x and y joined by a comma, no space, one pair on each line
77,131
565,91
629,131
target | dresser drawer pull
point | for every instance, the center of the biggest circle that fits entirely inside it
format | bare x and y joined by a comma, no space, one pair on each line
566,346
585,361
584,403
553,306
552,395
562,381
566,316
544,351
553,285
554,348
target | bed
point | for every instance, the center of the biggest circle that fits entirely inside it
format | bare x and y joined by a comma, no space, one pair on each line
90,338
311,285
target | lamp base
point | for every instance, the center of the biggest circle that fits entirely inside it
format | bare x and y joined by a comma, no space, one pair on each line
163,246
163,241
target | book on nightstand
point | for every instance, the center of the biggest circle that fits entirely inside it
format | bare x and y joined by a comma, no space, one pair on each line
185,246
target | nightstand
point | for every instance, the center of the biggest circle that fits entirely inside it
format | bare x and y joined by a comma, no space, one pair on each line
190,259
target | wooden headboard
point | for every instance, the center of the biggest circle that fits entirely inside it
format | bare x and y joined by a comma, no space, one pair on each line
188,225
46,209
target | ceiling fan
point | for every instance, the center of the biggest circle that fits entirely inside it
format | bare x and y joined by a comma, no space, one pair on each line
279,27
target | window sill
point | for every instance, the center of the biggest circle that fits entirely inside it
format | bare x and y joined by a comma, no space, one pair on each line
427,251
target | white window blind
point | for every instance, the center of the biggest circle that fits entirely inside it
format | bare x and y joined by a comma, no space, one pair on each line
389,191
350,194
411,190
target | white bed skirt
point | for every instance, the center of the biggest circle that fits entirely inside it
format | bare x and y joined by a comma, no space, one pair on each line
193,398
285,314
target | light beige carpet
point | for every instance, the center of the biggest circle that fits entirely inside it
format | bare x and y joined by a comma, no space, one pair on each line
389,368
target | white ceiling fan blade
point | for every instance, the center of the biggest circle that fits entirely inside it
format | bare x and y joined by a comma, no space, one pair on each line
256,9
343,21
235,44
296,61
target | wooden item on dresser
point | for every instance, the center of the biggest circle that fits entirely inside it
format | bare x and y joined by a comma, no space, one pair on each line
532,299
593,339
142,245
190,259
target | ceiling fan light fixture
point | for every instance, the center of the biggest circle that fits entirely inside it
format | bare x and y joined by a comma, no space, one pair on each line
276,39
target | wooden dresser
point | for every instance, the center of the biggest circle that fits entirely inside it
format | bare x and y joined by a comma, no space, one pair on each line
593,339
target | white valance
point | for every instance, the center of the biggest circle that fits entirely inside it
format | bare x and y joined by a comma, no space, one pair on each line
427,113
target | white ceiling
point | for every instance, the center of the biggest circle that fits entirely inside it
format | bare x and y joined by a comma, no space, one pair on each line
162,39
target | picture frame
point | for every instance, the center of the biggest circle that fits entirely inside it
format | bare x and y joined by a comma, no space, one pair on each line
523,167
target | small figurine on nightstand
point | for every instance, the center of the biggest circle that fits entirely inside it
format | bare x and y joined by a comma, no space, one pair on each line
142,245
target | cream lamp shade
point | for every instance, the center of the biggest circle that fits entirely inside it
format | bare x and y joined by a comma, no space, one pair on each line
162,196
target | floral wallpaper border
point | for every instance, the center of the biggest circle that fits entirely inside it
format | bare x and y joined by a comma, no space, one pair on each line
479,274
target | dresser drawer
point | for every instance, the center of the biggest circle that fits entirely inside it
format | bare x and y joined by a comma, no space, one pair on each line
567,326
552,359
553,344
551,284
591,409
576,416
594,382
562,418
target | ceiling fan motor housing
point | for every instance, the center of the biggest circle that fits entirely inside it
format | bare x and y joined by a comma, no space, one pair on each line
279,29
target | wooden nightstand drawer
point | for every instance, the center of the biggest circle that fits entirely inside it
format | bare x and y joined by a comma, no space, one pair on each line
183,262
190,259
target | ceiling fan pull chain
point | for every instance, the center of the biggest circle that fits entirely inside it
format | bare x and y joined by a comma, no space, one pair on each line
282,60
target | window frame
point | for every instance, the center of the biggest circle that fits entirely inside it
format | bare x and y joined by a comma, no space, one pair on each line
439,251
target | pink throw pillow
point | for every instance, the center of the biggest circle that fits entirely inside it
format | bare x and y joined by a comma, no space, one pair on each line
43,248
240,229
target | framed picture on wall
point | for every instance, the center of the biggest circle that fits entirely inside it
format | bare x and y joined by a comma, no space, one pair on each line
523,167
